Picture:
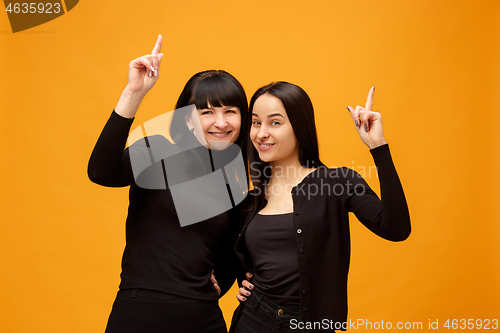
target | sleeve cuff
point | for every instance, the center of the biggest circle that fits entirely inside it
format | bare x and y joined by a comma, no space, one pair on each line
381,153
117,117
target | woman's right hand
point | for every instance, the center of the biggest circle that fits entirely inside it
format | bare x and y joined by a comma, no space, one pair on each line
144,71
244,291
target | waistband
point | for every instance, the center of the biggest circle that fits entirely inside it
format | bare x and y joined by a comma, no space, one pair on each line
153,296
257,300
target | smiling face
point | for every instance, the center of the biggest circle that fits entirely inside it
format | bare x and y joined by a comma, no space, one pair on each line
271,132
215,127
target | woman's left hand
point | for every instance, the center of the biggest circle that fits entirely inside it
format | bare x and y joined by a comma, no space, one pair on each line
368,123
244,291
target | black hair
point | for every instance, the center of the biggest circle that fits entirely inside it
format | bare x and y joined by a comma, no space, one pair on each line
300,112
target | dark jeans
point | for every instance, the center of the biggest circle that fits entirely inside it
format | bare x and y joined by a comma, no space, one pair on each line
260,315
147,311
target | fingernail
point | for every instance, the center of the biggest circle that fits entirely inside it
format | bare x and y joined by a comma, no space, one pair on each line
348,109
356,122
250,275
150,74
152,68
373,88
366,128
248,294
251,286
243,299
155,73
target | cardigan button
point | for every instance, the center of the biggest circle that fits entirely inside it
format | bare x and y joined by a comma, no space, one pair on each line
281,312
304,308
301,251
303,291
303,271
297,213
299,231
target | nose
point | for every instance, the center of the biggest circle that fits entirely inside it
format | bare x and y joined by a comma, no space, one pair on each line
220,121
262,134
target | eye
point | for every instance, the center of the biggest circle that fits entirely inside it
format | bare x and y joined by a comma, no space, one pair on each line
206,112
231,111
275,122
255,122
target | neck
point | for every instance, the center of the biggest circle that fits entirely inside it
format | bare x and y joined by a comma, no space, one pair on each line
287,171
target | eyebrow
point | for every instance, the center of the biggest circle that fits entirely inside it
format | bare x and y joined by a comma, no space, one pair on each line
270,116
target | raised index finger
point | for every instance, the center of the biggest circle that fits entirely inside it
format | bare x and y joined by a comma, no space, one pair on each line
369,99
157,48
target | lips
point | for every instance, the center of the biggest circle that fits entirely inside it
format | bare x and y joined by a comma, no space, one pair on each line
220,134
265,146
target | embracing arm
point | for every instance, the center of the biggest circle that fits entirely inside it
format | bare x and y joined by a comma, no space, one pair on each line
227,264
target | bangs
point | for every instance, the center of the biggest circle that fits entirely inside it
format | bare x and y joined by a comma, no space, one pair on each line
218,91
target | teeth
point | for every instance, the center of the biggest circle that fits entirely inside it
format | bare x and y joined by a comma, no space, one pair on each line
265,144
220,134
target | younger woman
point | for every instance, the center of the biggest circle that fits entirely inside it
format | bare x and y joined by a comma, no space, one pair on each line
296,241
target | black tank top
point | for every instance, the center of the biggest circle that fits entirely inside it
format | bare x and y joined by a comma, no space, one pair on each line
270,240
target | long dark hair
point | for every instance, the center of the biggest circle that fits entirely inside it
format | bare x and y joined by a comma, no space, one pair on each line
300,111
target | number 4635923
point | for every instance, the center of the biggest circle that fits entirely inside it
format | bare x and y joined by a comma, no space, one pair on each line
34,7
471,324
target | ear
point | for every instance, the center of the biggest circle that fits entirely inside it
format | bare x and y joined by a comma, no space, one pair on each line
189,122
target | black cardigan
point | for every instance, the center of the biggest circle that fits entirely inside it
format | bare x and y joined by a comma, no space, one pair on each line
321,205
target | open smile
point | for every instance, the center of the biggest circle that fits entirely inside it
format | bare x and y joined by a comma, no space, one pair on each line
265,146
220,134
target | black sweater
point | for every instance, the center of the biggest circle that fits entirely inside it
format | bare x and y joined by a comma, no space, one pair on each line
161,255
321,204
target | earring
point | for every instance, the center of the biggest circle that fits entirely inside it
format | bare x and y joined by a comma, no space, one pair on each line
192,130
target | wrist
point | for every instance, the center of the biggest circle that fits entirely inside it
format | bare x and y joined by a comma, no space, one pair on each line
129,103
132,94
379,143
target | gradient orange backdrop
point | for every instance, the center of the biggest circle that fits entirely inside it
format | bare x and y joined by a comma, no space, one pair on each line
435,65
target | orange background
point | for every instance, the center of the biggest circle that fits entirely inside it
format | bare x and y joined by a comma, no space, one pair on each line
436,68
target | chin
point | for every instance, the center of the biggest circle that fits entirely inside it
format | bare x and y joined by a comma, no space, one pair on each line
220,145
265,159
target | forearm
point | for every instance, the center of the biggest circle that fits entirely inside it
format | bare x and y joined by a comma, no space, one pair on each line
395,217
129,103
227,263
